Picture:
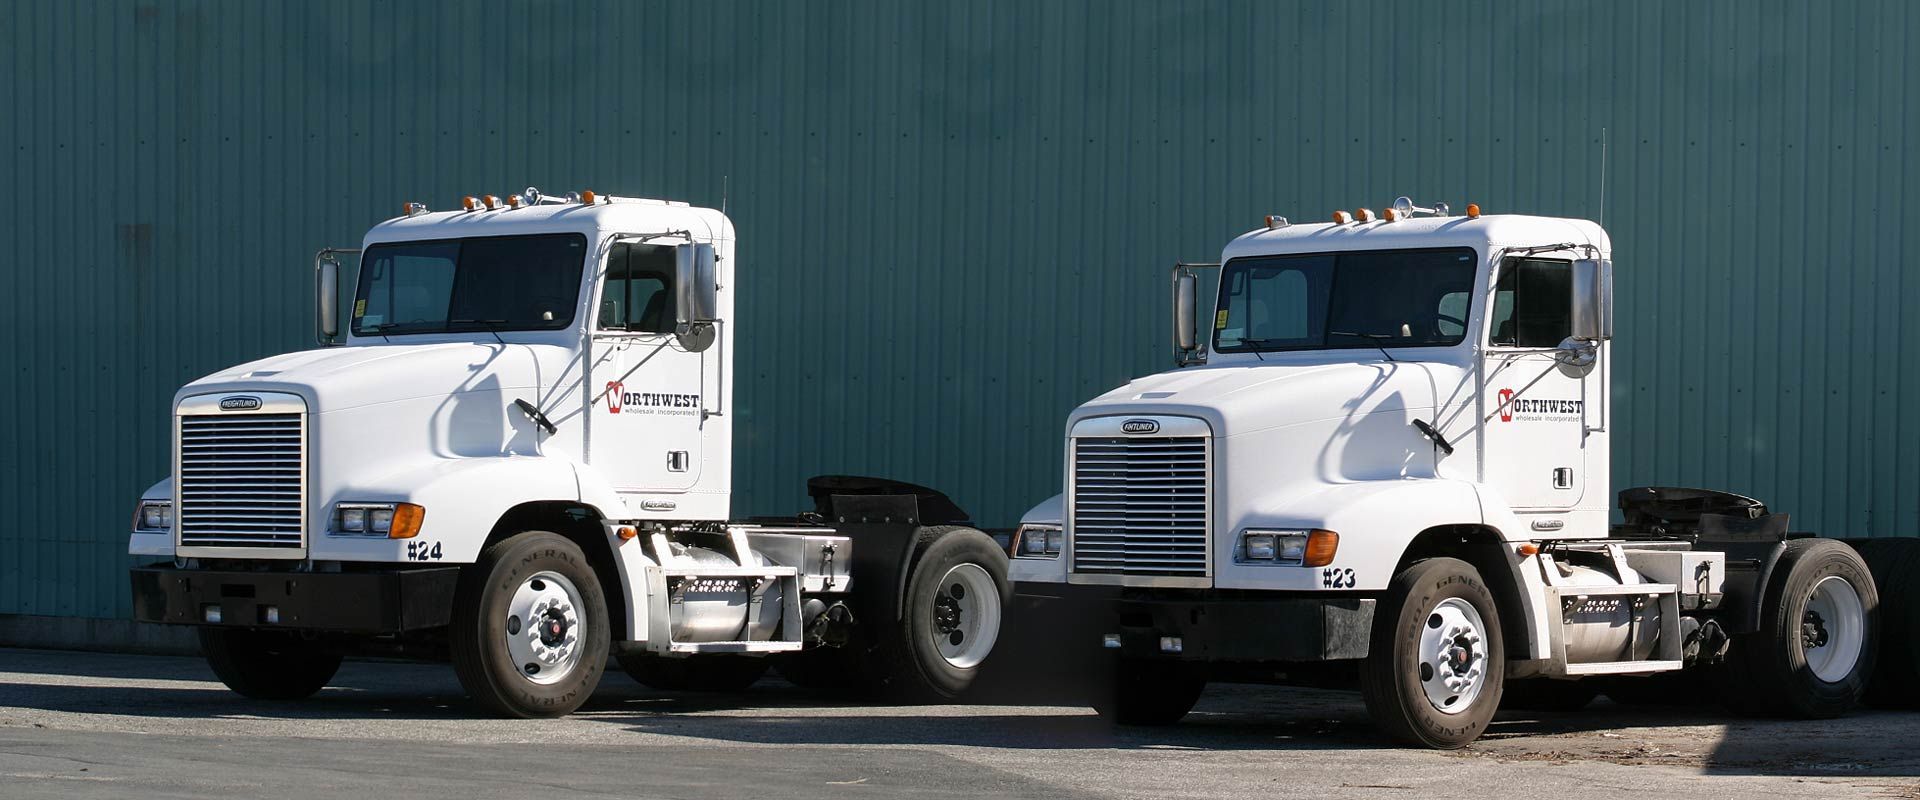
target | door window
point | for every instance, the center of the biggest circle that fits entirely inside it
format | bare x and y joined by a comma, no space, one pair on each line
638,293
1533,303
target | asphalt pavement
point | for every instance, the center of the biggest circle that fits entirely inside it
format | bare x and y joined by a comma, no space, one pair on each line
86,725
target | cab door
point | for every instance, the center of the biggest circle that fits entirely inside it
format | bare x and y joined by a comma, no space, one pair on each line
1537,409
647,409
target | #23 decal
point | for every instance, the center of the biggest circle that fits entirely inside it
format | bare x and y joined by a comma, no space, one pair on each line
1337,578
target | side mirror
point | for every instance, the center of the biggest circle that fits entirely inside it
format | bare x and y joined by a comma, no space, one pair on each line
326,278
697,294
1593,299
1186,292
1186,310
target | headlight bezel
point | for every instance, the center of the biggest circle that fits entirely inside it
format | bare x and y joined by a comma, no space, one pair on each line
1285,547
376,520
1051,541
162,510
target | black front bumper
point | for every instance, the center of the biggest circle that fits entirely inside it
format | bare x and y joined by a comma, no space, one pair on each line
1285,628
1237,628
374,601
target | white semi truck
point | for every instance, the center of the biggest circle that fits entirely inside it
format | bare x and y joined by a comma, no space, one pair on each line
519,458
1389,457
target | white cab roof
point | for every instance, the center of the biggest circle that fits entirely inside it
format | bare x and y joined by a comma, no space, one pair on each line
1483,233
619,216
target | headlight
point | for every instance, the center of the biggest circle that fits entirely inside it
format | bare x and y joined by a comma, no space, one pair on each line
389,520
154,515
1313,548
1038,541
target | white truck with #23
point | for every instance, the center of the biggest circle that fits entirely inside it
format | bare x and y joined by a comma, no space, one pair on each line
1387,460
519,458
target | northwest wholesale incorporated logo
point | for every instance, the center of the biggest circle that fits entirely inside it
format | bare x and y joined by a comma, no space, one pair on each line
1527,409
619,400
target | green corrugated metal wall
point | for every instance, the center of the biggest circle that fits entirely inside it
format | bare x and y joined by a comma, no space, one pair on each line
955,216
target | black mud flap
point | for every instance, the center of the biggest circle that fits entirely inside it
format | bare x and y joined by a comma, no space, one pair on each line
885,529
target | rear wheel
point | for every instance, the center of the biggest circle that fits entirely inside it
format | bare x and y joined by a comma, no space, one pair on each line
1895,564
1436,667
1814,652
708,673
952,612
530,630
1150,692
268,665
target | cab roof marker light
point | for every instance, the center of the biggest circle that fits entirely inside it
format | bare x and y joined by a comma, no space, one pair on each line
1276,222
492,202
587,196
1473,211
1341,218
469,203
1364,215
513,201
414,209
1389,214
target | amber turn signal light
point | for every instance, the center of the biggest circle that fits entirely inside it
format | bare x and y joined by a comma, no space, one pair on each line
406,521
1321,545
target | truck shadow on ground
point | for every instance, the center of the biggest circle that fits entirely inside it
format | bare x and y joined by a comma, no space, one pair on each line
1229,718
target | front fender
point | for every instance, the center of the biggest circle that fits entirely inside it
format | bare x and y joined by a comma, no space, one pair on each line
1376,521
463,498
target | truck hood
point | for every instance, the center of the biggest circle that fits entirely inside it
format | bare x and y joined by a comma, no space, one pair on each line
1240,399
337,378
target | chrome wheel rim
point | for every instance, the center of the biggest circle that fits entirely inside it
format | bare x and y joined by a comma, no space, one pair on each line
966,616
1833,631
1453,656
544,632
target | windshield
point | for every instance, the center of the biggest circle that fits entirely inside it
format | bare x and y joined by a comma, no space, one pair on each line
1375,298
503,283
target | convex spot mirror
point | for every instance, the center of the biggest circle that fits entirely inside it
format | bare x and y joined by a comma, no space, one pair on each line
1593,299
697,300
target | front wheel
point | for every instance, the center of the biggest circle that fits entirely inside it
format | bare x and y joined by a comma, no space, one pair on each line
1434,674
268,665
530,631
1150,692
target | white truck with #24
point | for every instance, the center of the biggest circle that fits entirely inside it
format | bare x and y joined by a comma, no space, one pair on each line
1389,462
520,459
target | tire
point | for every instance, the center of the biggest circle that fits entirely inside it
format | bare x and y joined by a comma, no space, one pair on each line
1405,690
498,651
955,601
1150,692
1545,694
708,673
1777,670
267,665
1895,563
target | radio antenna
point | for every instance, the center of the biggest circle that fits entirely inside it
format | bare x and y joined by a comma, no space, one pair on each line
1602,220
723,191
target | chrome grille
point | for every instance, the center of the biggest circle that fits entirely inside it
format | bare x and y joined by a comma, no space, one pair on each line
1140,505
242,480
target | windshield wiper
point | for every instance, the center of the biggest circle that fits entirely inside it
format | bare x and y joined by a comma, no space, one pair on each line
493,326
1376,338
